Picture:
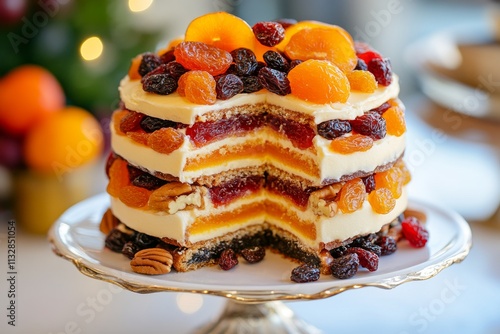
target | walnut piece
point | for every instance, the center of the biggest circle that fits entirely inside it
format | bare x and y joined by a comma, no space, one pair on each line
322,201
152,261
176,196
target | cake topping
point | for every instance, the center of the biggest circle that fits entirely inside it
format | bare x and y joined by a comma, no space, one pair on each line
152,261
269,33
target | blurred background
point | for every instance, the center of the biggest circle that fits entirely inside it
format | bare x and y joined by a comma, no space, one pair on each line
66,58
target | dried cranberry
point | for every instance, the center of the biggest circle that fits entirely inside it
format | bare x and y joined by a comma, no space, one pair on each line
143,240
367,259
382,108
227,86
339,251
268,33
286,22
162,84
175,69
387,244
129,249
370,124
111,158
276,61
253,255
149,62
274,81
381,69
167,56
415,232
345,266
366,52
305,273
369,182
367,245
131,121
151,124
334,128
228,259
361,65
251,84
244,62
148,181
116,239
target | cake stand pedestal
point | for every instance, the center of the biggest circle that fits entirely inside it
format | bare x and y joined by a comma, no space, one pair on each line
255,292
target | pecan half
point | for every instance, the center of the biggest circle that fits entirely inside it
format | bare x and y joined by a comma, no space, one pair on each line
322,201
108,222
152,261
176,196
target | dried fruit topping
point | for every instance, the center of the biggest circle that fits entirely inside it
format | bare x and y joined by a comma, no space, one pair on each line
175,69
131,121
244,62
362,81
162,84
319,81
366,243
108,222
116,239
369,182
339,251
133,71
198,87
382,200
351,144
351,196
365,52
382,108
415,232
116,118
133,172
228,259
165,140
367,259
152,261
361,65
168,55
269,33
222,30
382,70
370,124
334,128
286,22
151,124
251,84
274,81
109,161
227,86
149,62
395,121
148,181
276,61
294,63
199,56
345,266
253,255
305,273
133,196
405,174
129,249
118,177
142,240
326,43
387,244
391,179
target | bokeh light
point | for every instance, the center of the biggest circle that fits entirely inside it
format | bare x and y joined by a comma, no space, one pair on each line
139,5
189,303
91,48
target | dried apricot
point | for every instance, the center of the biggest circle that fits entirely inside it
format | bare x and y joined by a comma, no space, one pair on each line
362,81
204,57
133,71
131,121
198,87
319,81
351,196
405,172
135,197
328,43
116,118
165,140
391,179
139,136
351,144
118,177
381,200
221,29
395,121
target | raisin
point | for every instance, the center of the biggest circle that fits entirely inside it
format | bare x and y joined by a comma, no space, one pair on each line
244,62
382,200
228,259
149,62
227,86
305,273
334,128
294,63
175,69
339,251
367,259
116,239
253,255
286,22
133,172
162,84
204,57
143,240
148,181
129,249
345,266
162,69
131,121
361,65
415,232
276,61
151,124
367,245
351,196
269,33
251,84
387,244
382,108
167,57
369,182
370,124
381,69
274,81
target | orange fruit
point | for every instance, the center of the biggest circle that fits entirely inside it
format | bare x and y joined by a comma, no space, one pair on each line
29,93
221,29
66,140
326,43
362,81
319,81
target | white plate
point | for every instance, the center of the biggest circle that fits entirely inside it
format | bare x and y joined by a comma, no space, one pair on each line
76,237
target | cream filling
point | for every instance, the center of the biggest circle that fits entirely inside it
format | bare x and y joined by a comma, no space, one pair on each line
340,227
176,108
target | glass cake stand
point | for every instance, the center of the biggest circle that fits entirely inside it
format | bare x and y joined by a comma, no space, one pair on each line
255,292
